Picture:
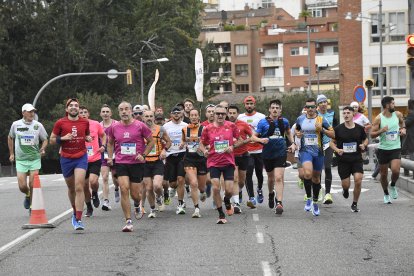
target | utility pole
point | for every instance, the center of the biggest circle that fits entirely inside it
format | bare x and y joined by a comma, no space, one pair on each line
411,31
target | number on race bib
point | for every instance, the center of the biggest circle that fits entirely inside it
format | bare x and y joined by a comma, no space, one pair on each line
192,146
391,135
128,149
311,140
90,150
27,140
221,146
349,147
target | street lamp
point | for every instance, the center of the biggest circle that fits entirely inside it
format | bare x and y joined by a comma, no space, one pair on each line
142,62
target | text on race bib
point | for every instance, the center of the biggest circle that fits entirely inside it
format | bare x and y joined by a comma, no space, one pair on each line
175,144
106,155
391,135
192,146
325,146
27,140
349,147
311,140
89,150
276,135
128,149
221,146
153,151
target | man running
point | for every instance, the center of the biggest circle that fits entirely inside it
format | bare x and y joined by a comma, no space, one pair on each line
252,117
71,132
128,138
188,106
350,140
154,167
389,126
209,115
274,131
23,141
310,127
220,136
94,150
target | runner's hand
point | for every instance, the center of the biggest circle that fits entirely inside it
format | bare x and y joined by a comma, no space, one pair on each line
110,162
67,137
42,152
229,149
139,157
11,158
88,138
163,155
265,141
340,152
362,147
384,129
403,131
292,148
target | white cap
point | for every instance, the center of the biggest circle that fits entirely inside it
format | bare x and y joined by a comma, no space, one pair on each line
321,98
353,104
28,107
137,108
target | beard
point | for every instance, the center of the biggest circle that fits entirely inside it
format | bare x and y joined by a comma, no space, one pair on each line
391,110
250,110
73,115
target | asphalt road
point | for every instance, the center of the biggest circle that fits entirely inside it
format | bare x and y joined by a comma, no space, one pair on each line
378,240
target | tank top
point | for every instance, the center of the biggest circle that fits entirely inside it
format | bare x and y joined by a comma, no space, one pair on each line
155,152
391,139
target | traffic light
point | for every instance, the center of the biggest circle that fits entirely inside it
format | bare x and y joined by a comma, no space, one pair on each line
129,76
410,50
369,83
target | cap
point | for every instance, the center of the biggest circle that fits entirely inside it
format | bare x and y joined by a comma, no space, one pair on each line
71,100
249,99
321,98
176,108
137,108
28,107
159,117
354,104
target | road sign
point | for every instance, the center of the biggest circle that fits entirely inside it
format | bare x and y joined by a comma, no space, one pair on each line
359,93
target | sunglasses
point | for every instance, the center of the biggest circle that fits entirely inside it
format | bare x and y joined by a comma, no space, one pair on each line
310,106
220,114
176,112
138,113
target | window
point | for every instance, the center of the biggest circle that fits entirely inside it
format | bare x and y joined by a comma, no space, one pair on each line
270,72
267,3
375,28
335,49
397,80
397,21
375,76
294,51
316,13
242,70
305,51
295,71
242,88
306,70
241,50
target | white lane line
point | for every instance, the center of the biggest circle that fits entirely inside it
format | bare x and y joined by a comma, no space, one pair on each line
59,179
267,271
18,240
259,234
255,217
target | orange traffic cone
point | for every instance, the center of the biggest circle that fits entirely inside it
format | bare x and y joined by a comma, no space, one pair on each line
38,214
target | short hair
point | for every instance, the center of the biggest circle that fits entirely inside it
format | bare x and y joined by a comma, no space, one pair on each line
83,107
125,102
219,106
105,105
348,107
233,106
386,100
188,100
310,100
275,101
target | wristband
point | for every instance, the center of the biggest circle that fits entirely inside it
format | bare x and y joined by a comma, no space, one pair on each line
58,139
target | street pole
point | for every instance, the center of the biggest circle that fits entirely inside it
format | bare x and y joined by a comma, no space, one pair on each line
317,73
142,82
380,72
369,84
309,60
411,31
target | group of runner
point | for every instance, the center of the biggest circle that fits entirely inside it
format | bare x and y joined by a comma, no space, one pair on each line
152,158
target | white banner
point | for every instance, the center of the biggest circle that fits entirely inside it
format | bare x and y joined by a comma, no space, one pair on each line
199,73
151,93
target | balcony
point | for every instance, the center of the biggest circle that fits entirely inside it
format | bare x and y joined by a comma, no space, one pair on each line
218,77
326,59
271,62
272,81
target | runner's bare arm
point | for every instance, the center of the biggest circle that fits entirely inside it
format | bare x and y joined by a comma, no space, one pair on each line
375,130
110,150
43,147
10,143
401,123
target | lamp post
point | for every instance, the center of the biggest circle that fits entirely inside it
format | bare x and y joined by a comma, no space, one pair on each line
142,62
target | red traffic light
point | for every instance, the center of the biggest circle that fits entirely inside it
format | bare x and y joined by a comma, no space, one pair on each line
410,40
410,50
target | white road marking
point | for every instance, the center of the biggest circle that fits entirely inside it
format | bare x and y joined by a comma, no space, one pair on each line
259,234
267,271
255,217
59,179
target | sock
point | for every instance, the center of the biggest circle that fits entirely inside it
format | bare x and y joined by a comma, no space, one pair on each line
226,200
116,189
180,202
354,203
308,187
328,180
392,183
166,195
221,213
196,206
28,194
152,208
316,188
236,199
272,194
78,215
89,205
386,192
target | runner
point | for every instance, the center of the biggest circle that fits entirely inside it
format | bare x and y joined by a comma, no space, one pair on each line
310,128
209,119
194,161
220,136
188,106
241,156
154,167
252,117
23,142
128,137
329,115
298,163
389,126
71,132
94,150
360,118
137,112
350,140
107,121
175,154
275,130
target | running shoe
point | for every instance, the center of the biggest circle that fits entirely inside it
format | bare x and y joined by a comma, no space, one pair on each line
79,225
251,203
272,200
221,221
315,209
117,198
354,208
138,211
279,208
26,202
301,184
171,192
237,208
345,193
328,199
229,209
128,226
393,192
106,206
180,210
203,197
260,196
208,190
89,212
387,199
240,196
73,220
308,205
196,213
320,196
167,201
161,206
152,214
95,199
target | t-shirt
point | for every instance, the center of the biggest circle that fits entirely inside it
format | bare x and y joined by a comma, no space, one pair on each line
92,147
329,115
277,142
174,131
79,128
349,140
129,141
205,123
360,119
252,119
191,136
26,139
311,140
245,131
219,138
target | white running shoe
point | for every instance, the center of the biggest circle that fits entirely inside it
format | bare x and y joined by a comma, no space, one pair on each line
196,213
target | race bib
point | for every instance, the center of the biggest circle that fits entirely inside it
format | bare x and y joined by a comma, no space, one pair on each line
128,149
27,140
276,135
349,147
175,145
106,155
153,151
311,140
391,135
325,146
221,146
192,146
90,150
